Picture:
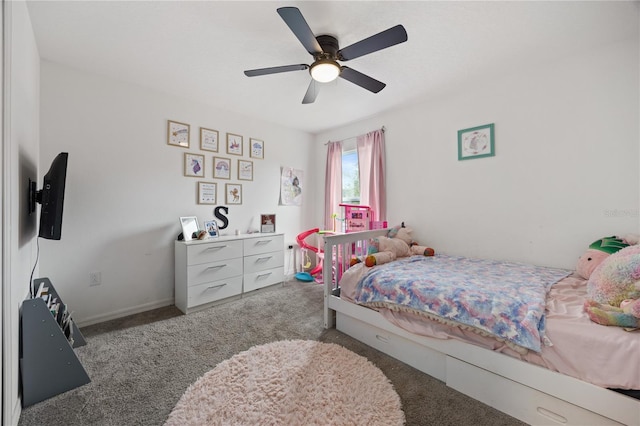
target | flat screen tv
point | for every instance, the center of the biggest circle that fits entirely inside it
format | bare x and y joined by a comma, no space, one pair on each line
51,197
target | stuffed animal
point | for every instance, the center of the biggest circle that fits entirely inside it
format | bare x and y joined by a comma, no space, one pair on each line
397,243
598,251
613,290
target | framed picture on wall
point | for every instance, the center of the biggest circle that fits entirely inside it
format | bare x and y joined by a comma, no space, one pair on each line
208,139
476,142
221,168
257,148
234,144
207,193
245,170
193,165
233,193
178,134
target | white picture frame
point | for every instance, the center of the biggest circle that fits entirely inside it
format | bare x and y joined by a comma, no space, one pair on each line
211,226
189,226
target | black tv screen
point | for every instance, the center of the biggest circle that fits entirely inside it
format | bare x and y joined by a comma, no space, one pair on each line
52,198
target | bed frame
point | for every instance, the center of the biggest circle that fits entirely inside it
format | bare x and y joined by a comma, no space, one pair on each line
525,391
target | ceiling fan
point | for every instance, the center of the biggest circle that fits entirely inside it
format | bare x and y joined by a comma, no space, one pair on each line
326,54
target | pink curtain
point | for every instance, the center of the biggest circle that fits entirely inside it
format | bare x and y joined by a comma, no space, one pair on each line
372,176
333,183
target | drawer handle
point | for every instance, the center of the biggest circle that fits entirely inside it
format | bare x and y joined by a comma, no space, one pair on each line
261,259
264,275
215,286
551,415
263,242
382,338
217,266
216,247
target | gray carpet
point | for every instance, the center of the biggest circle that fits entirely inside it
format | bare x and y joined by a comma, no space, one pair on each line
141,365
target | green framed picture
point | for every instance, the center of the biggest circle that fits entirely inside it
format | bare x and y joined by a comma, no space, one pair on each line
476,142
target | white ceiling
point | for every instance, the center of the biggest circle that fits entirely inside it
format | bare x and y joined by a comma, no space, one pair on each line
199,50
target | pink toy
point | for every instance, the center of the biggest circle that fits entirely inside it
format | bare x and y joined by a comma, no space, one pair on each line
598,251
300,239
357,217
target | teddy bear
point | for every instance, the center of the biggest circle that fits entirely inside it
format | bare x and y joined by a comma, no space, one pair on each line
613,289
397,243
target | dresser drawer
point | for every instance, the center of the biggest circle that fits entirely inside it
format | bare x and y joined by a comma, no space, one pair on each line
256,280
213,252
260,262
212,291
214,271
263,244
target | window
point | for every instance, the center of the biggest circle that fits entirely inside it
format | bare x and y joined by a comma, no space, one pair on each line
350,175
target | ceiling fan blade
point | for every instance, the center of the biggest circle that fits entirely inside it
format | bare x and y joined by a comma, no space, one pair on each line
391,37
312,92
362,80
274,70
296,22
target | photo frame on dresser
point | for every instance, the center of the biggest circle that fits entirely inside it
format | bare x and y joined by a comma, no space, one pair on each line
267,223
211,226
189,227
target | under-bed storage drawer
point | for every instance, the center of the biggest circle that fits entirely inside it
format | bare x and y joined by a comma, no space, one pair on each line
517,400
418,356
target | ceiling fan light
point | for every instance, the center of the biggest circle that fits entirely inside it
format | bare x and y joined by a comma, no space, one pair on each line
325,71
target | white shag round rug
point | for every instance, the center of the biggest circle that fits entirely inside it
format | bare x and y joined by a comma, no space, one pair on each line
291,382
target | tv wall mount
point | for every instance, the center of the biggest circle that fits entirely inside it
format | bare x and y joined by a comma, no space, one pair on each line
35,196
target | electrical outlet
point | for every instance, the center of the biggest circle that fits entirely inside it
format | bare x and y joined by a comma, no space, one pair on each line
95,278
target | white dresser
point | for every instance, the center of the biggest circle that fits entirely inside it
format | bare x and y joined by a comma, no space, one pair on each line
209,271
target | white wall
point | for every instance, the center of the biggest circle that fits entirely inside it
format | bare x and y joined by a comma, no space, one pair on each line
565,171
126,189
20,158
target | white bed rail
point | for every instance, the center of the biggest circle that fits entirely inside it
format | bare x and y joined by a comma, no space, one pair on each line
339,249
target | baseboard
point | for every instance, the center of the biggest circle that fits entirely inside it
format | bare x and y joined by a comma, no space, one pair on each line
124,312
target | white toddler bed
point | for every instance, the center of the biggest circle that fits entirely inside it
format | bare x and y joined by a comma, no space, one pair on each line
550,387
